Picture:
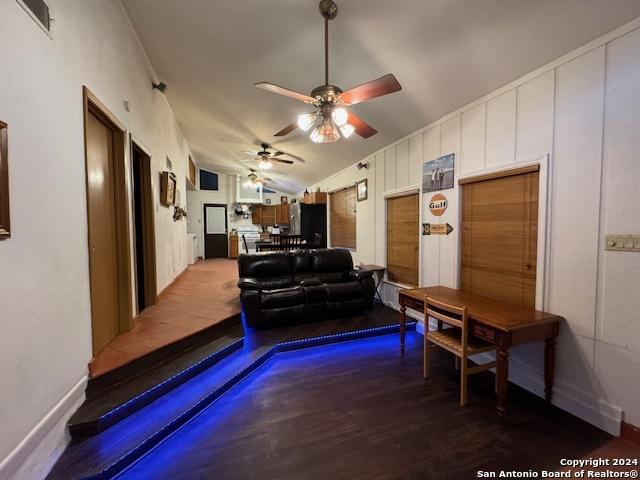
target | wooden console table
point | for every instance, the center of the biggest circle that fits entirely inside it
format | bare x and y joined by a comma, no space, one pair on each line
497,322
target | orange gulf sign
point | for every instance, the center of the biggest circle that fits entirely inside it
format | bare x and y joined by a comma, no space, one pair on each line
438,204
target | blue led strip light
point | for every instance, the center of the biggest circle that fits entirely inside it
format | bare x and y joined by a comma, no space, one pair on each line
146,397
165,432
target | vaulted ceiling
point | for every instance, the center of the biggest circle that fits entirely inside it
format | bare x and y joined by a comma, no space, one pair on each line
445,53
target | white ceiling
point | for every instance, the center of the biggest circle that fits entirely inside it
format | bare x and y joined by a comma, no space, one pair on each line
445,54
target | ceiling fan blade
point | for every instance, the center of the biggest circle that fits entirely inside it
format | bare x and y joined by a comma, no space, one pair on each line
376,88
362,128
277,154
287,130
249,152
270,87
280,160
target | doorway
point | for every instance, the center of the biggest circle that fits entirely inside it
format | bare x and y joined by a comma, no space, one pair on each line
144,235
215,231
108,223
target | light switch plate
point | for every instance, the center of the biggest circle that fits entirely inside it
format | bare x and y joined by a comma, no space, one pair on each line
622,243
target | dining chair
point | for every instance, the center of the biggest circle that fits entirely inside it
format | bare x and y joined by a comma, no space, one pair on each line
244,242
455,339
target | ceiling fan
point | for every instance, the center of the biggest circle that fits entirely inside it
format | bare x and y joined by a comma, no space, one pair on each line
266,158
331,119
254,181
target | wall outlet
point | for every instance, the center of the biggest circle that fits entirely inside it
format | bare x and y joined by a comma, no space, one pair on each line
622,243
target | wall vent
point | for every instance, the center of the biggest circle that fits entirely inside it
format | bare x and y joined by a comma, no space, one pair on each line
39,11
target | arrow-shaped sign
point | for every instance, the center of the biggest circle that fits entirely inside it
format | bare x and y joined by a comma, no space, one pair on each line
436,229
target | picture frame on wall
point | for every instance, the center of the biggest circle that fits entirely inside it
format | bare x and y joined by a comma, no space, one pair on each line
267,201
438,174
284,200
5,224
361,190
167,188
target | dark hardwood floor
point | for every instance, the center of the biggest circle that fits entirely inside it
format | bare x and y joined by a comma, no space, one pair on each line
358,410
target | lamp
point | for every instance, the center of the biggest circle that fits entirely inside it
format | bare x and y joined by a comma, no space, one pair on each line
265,163
347,129
340,116
326,132
306,121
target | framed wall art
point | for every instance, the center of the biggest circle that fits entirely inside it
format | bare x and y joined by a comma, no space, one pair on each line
361,190
167,188
438,174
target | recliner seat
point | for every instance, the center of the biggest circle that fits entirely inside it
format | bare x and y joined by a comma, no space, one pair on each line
304,285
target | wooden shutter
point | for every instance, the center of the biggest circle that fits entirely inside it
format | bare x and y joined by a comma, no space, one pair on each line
500,238
403,235
342,218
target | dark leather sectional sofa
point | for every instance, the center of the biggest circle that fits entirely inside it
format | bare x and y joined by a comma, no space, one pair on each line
302,285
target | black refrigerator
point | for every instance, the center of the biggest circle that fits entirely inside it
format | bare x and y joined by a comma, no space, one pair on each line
308,220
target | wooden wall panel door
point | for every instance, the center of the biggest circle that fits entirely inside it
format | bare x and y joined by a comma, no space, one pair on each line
342,218
500,237
268,214
256,215
103,249
403,237
282,214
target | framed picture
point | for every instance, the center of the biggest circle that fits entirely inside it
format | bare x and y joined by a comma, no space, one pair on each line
5,228
361,190
267,201
167,188
438,174
284,200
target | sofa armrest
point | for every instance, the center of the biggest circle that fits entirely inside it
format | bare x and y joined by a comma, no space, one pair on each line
360,274
310,281
249,283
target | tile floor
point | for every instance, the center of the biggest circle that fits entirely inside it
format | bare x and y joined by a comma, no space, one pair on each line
203,295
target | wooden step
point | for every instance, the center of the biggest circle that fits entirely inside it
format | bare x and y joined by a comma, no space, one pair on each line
110,405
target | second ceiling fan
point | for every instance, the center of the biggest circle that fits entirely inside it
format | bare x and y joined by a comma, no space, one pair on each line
331,119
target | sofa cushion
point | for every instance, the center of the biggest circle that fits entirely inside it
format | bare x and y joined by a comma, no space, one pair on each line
283,297
274,283
339,292
331,260
268,265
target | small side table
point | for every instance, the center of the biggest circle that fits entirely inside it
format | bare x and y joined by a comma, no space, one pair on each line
378,274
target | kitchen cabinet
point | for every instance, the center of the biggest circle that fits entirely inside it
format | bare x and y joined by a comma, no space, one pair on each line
256,215
282,214
268,214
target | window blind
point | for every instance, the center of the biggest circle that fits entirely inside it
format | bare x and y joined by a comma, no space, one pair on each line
500,237
342,218
403,235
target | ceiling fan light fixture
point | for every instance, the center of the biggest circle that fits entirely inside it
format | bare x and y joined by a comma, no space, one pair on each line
326,132
340,116
265,164
306,121
347,129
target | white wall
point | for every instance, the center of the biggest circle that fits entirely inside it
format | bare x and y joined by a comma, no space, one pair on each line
44,291
583,111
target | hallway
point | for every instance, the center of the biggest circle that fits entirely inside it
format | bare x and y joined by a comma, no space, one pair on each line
202,296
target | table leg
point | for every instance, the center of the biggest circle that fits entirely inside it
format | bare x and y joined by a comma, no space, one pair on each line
549,367
502,372
403,323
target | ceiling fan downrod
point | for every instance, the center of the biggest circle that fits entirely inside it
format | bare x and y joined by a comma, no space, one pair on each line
329,11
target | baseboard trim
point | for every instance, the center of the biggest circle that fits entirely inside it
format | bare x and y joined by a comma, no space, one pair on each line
595,411
36,454
164,291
